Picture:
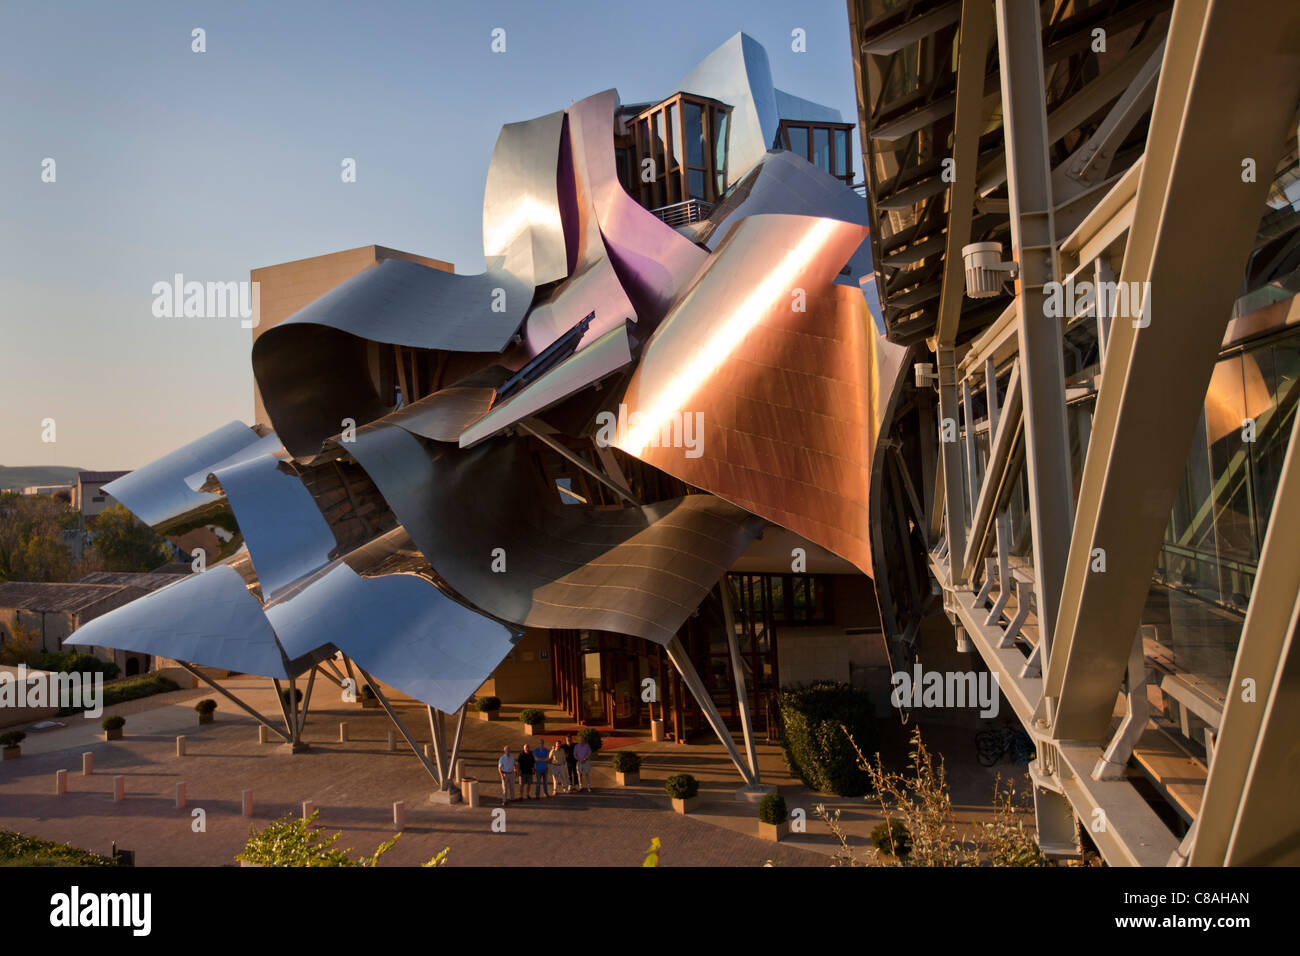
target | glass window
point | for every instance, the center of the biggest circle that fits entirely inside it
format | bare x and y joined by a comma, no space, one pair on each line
693,117
799,140
842,153
720,149
661,143
696,183
822,148
672,135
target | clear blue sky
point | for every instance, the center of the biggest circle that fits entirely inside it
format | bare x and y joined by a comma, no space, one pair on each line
217,163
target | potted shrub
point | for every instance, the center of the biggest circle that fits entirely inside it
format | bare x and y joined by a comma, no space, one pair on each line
534,722
297,696
684,789
893,838
10,742
773,821
592,736
206,709
489,708
627,769
368,699
113,727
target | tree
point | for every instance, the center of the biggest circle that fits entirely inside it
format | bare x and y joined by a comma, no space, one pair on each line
125,544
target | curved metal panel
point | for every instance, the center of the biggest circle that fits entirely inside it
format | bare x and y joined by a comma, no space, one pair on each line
446,413
738,74
521,206
201,480
208,619
638,571
401,629
158,493
602,358
788,401
285,532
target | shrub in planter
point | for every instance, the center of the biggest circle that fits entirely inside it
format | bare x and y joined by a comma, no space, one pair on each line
533,717
10,741
771,809
489,708
206,708
682,786
892,837
113,727
817,751
592,736
297,696
627,768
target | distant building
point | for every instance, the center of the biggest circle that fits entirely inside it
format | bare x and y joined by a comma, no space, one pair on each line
88,495
48,489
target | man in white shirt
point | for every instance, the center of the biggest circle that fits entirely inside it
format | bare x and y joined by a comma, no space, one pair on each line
506,767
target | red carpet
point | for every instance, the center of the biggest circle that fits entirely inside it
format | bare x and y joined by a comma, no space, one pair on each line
609,740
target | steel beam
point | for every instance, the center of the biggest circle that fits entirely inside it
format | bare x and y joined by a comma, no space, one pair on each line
742,693
1004,437
1194,224
194,671
401,727
682,661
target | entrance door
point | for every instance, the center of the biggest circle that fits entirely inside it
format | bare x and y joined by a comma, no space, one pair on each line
593,697
625,687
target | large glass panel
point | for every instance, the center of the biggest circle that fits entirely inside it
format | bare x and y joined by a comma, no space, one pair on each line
1273,428
695,182
822,148
692,116
841,153
661,143
720,149
676,147
799,140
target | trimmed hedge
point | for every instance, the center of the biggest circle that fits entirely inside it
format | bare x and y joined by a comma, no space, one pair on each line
485,704
771,809
70,662
532,716
892,837
681,786
144,686
17,849
816,749
624,761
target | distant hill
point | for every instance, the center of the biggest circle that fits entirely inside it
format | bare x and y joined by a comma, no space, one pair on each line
18,477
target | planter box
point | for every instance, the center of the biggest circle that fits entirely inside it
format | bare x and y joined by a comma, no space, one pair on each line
535,730
685,806
630,779
489,714
775,832
113,734
13,753
207,718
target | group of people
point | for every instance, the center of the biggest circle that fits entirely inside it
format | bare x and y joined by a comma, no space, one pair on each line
545,771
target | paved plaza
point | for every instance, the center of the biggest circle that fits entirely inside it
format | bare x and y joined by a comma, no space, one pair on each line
354,785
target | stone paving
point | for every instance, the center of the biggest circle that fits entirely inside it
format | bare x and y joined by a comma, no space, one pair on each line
355,783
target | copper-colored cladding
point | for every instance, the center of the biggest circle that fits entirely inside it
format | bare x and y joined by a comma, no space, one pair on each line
791,401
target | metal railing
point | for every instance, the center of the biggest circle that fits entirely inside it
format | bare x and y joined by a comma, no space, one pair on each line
684,213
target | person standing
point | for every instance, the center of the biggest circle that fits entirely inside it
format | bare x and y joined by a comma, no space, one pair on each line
582,757
541,756
525,764
559,766
570,765
506,767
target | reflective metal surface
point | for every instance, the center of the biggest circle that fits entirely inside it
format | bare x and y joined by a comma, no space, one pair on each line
208,619
158,492
521,208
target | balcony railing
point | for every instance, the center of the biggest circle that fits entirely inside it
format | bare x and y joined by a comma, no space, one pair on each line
684,213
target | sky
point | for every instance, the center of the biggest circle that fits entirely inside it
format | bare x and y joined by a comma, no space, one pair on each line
213,164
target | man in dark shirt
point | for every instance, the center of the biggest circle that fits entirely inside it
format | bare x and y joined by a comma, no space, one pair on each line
525,763
570,762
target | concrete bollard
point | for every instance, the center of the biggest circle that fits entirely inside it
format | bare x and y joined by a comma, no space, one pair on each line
60,782
469,791
119,788
460,763
343,731
399,815
392,742
180,795
308,808
247,796
261,734
180,746
87,764
428,755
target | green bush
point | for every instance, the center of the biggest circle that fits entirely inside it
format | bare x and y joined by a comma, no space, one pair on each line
486,704
206,706
297,696
771,809
116,722
816,748
17,849
592,736
13,738
144,686
75,661
626,762
532,716
682,786
892,837
293,841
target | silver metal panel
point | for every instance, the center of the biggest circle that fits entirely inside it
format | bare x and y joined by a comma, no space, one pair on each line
446,413
401,629
521,208
158,492
208,619
738,73
286,533
601,358
201,480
